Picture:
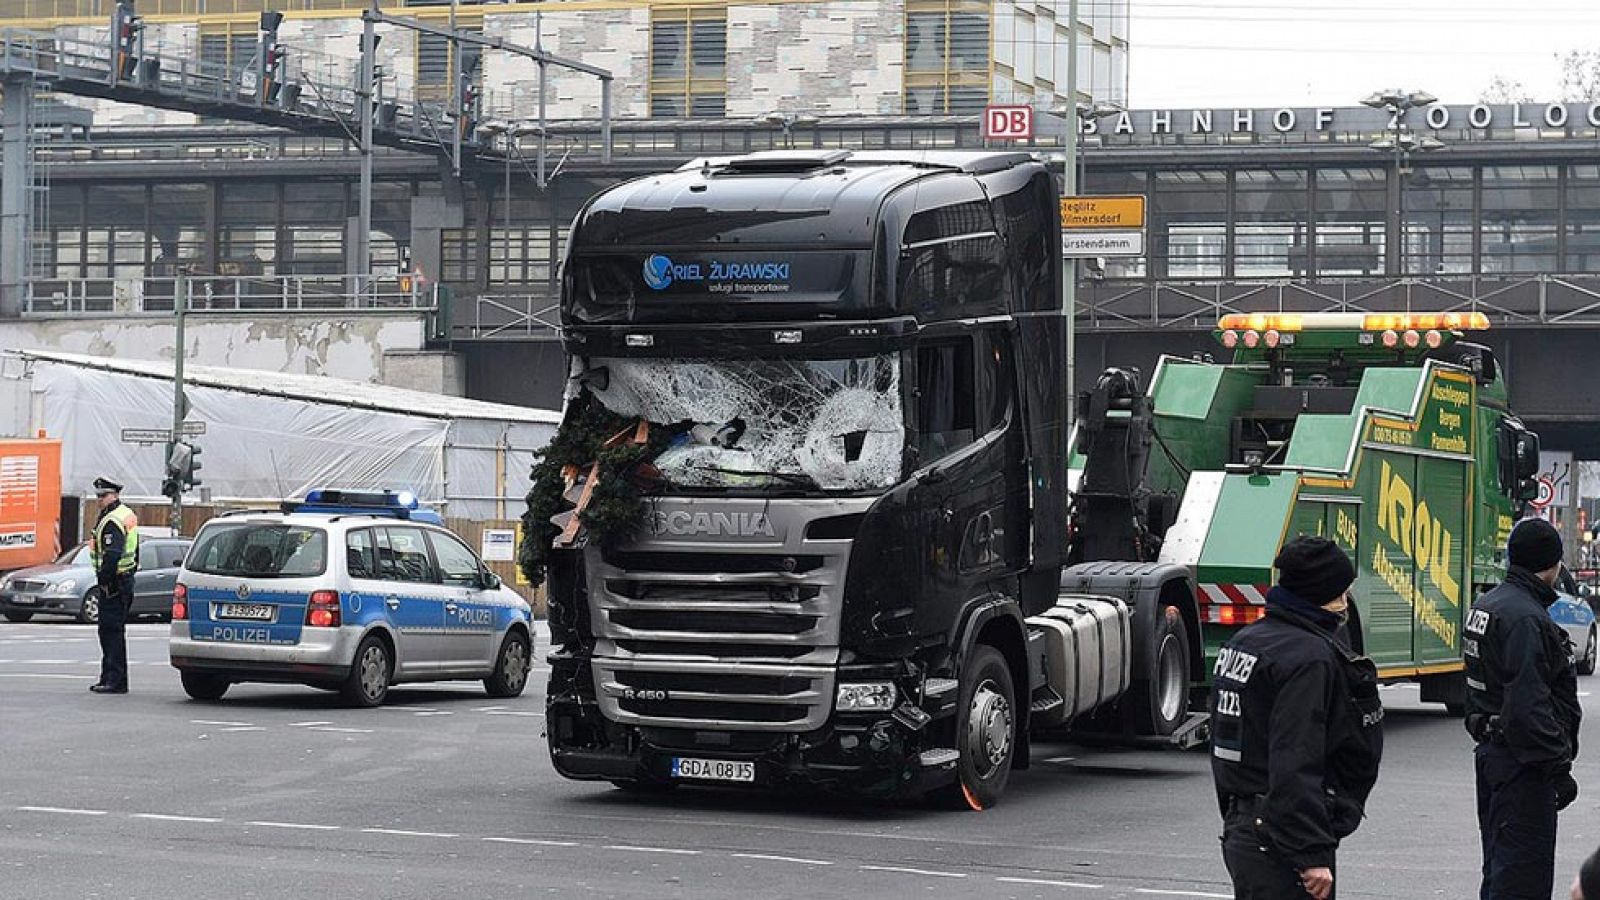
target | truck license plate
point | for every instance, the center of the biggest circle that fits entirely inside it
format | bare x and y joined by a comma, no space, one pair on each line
256,612
713,769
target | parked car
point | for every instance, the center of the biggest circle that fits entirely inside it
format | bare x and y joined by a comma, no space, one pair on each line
67,586
1578,621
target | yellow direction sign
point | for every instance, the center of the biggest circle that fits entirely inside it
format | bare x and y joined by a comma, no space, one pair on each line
1102,212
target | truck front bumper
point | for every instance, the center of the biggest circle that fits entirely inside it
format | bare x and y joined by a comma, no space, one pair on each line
873,754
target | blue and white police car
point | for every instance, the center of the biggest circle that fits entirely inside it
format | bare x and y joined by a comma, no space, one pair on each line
344,591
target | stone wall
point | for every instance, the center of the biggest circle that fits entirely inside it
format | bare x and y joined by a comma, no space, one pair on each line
816,58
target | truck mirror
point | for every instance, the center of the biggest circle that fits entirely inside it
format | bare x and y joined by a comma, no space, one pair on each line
1527,454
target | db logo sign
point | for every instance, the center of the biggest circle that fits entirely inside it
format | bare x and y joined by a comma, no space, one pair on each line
1008,123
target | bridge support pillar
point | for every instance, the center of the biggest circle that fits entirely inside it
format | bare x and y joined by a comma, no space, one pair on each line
16,181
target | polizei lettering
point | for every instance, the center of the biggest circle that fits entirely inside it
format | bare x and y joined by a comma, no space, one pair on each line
1234,665
683,523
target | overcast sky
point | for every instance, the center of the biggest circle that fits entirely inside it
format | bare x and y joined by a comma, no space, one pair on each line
1326,52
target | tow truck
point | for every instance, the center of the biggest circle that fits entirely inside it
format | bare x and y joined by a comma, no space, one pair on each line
869,555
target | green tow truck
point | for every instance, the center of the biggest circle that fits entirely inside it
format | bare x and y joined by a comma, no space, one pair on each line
1388,433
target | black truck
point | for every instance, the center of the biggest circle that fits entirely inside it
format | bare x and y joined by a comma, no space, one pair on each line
844,569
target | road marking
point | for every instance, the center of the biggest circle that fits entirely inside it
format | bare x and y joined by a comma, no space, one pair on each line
162,817
62,810
512,712
238,728
1046,881
1181,893
793,859
404,833
340,730
300,825
632,849
905,871
436,712
216,722
533,841
487,708
307,724
408,708
1061,759
46,675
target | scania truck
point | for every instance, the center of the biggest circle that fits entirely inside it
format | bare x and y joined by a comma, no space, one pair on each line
842,537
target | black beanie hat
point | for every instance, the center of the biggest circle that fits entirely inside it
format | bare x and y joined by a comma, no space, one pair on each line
1535,545
1589,877
1314,569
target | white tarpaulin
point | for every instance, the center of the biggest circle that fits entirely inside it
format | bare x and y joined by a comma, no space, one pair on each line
270,435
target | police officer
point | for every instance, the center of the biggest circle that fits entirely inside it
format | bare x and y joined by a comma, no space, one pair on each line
1296,731
115,555
1522,709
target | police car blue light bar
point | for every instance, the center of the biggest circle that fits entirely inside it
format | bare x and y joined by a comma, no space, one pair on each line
398,504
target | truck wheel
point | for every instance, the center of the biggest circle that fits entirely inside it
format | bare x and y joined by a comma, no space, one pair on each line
986,732
18,616
203,686
1158,702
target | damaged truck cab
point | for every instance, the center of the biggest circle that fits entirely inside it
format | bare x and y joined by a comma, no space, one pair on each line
849,364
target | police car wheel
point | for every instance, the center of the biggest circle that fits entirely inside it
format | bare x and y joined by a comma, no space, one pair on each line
1587,661
368,682
986,732
89,612
203,686
18,616
510,668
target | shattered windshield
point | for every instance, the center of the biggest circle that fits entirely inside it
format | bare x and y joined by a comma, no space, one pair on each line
830,424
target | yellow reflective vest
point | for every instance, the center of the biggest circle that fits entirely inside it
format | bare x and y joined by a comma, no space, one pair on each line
128,521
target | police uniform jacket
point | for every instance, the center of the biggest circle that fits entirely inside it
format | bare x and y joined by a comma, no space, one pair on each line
1296,729
1522,688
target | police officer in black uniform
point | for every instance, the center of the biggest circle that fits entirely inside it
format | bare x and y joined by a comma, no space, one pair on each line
1296,731
1522,709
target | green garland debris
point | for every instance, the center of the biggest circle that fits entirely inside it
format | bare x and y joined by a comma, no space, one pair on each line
617,507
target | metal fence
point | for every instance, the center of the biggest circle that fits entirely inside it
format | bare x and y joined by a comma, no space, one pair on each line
254,294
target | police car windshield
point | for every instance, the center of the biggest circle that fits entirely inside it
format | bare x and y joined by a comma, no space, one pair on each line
260,550
77,556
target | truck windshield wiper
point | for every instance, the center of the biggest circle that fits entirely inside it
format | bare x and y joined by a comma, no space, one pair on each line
795,478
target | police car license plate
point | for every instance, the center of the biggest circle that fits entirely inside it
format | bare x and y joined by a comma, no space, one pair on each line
255,612
713,769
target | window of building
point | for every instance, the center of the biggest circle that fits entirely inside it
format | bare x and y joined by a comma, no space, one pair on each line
1520,212
1125,184
247,229
1189,222
948,55
1439,222
435,59
230,46
1583,219
1270,223
458,255
1351,220
688,63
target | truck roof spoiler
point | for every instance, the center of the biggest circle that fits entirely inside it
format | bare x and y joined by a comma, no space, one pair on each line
799,162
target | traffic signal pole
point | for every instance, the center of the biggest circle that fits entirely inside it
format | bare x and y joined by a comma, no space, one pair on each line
180,302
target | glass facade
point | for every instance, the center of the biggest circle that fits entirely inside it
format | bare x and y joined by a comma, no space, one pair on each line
1335,221
688,63
948,56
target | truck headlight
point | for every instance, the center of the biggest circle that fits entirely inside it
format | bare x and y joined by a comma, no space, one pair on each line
64,587
867,696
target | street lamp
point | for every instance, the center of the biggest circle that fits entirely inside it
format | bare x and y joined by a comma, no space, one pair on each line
1403,144
1086,113
789,121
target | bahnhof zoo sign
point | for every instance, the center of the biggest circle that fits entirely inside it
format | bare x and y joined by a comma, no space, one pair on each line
1481,121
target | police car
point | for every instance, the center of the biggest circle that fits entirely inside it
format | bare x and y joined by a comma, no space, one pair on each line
345,591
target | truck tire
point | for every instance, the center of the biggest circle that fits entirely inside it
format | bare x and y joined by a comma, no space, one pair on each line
986,732
1158,701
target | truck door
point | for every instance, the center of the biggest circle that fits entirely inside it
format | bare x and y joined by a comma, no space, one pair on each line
973,527
1438,542
1388,574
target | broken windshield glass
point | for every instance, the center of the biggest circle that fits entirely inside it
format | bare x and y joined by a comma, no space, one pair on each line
837,424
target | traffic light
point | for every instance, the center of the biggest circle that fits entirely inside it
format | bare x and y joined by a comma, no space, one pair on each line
126,26
271,55
171,489
467,121
183,460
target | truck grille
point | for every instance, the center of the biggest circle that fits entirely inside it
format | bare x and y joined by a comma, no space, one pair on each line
725,633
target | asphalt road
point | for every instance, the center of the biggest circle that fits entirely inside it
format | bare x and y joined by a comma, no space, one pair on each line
278,792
